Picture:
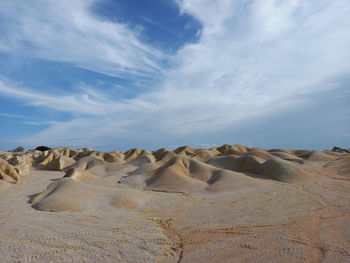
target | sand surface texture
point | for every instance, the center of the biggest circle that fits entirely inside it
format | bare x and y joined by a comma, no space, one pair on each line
224,204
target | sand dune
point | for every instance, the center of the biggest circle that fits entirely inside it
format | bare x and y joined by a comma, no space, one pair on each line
319,156
79,175
223,204
284,171
68,194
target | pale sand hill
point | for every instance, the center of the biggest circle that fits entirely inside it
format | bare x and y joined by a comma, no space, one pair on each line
224,204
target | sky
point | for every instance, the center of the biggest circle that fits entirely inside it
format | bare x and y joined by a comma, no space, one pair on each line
120,74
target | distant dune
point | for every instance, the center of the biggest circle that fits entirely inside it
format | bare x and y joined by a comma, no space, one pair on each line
224,204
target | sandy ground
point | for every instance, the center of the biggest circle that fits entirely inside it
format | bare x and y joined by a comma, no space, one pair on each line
135,211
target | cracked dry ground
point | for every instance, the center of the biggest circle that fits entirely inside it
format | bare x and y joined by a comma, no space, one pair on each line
262,220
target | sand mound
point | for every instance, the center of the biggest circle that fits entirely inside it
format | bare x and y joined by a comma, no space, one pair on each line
223,161
233,149
69,195
133,154
261,154
275,168
175,175
185,174
9,173
22,163
107,156
243,164
87,162
145,157
66,152
160,153
188,167
302,153
240,148
284,171
319,156
63,195
172,180
342,165
45,157
163,155
82,153
224,180
184,150
18,159
282,151
54,158
112,158
248,164
287,156
204,155
59,163
79,175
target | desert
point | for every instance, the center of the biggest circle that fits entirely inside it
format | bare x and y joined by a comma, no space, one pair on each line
165,131
230,203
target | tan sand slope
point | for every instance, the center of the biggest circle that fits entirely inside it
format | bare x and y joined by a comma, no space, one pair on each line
230,203
79,175
12,170
69,195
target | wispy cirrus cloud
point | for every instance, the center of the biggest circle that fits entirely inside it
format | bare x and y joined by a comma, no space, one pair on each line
10,115
68,31
88,102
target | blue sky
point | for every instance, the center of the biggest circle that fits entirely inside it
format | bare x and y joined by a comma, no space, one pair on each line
118,74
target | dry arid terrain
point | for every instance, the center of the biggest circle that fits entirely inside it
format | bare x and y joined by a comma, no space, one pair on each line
224,204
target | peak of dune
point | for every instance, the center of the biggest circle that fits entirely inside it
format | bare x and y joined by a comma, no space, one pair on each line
187,150
321,156
58,163
79,175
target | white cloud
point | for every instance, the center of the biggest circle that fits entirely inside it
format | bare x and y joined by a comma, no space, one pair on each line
256,57
252,58
10,115
89,102
67,31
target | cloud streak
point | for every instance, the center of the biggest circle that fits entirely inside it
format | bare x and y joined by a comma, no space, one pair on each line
253,58
67,31
91,102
